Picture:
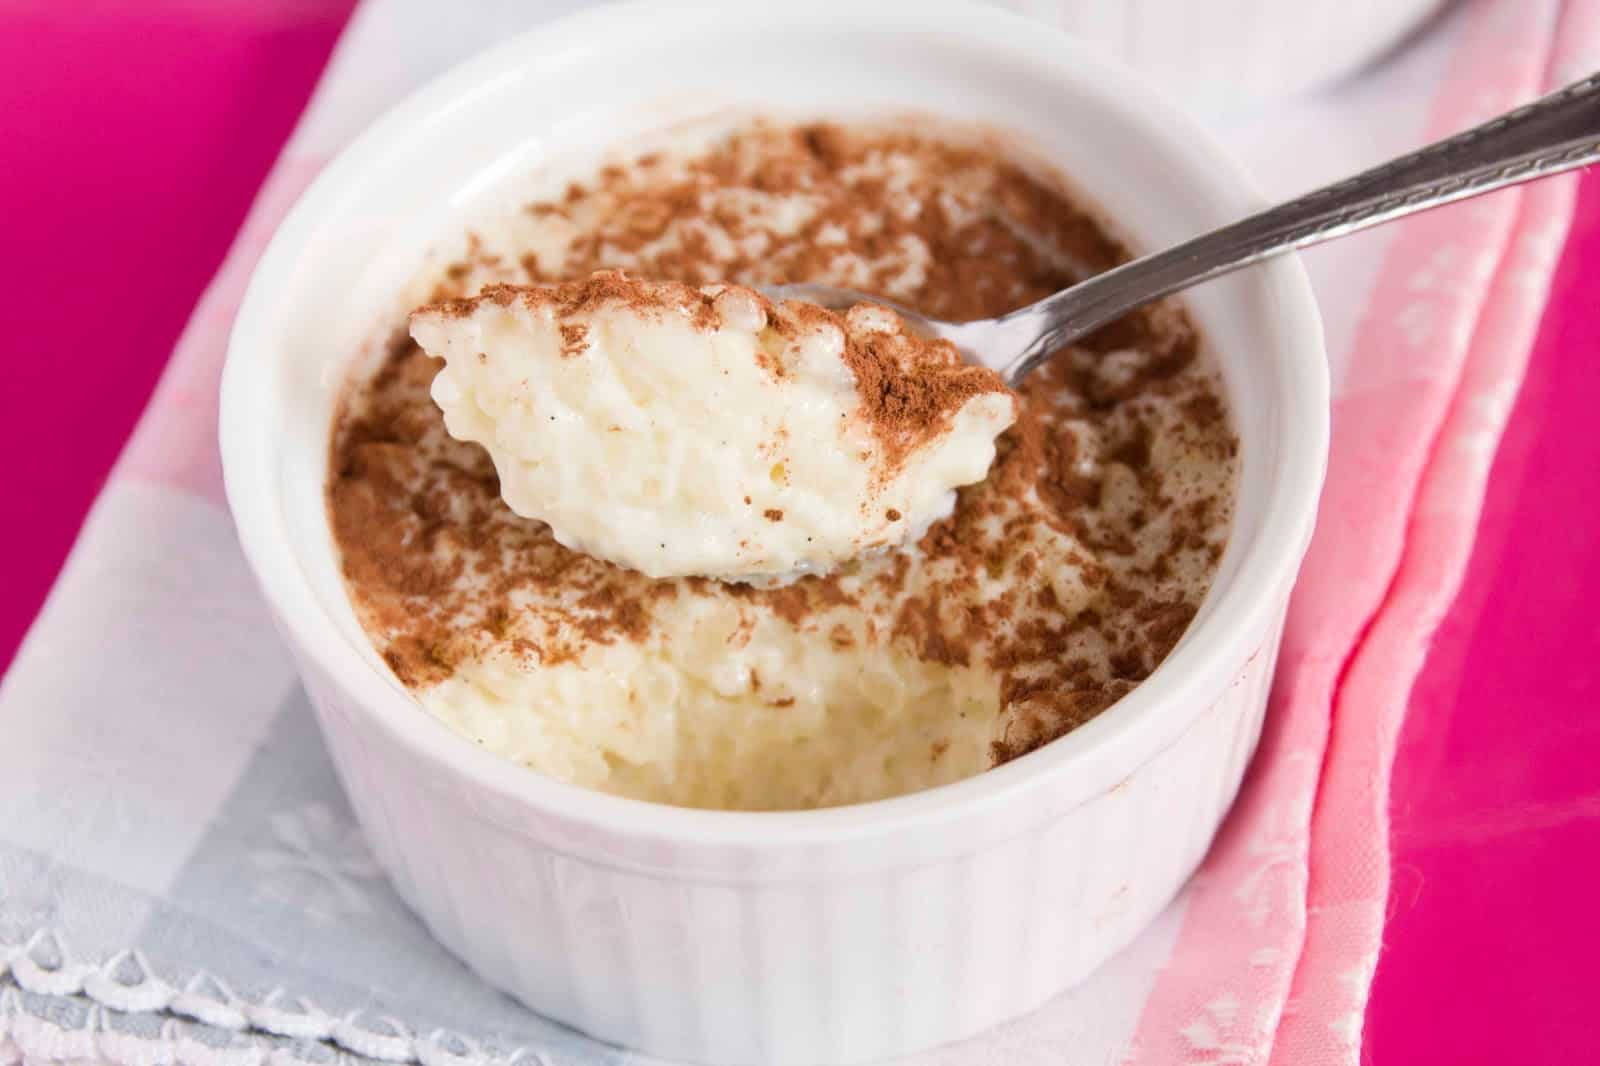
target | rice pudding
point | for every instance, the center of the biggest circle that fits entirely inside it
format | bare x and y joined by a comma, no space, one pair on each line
707,432
1052,588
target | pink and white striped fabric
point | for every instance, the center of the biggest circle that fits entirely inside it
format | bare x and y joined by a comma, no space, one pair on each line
1268,954
1284,923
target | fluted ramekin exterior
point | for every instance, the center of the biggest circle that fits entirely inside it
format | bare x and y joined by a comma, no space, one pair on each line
794,964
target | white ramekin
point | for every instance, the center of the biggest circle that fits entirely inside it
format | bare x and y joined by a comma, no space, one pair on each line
820,936
1224,55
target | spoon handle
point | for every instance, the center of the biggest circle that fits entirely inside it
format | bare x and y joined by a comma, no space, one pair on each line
1555,133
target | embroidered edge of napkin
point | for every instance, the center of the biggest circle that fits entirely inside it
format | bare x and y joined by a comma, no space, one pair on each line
56,1009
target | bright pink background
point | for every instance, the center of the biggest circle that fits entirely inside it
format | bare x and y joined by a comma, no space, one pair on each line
130,148
131,144
1494,931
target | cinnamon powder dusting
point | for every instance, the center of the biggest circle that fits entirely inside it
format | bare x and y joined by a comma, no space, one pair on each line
907,409
1068,574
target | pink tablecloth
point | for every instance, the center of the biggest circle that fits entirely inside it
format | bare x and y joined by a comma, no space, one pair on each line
127,170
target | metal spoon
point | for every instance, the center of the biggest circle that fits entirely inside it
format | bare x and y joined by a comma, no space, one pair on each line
1556,133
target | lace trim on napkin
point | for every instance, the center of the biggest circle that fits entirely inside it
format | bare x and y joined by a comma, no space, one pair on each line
56,1009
